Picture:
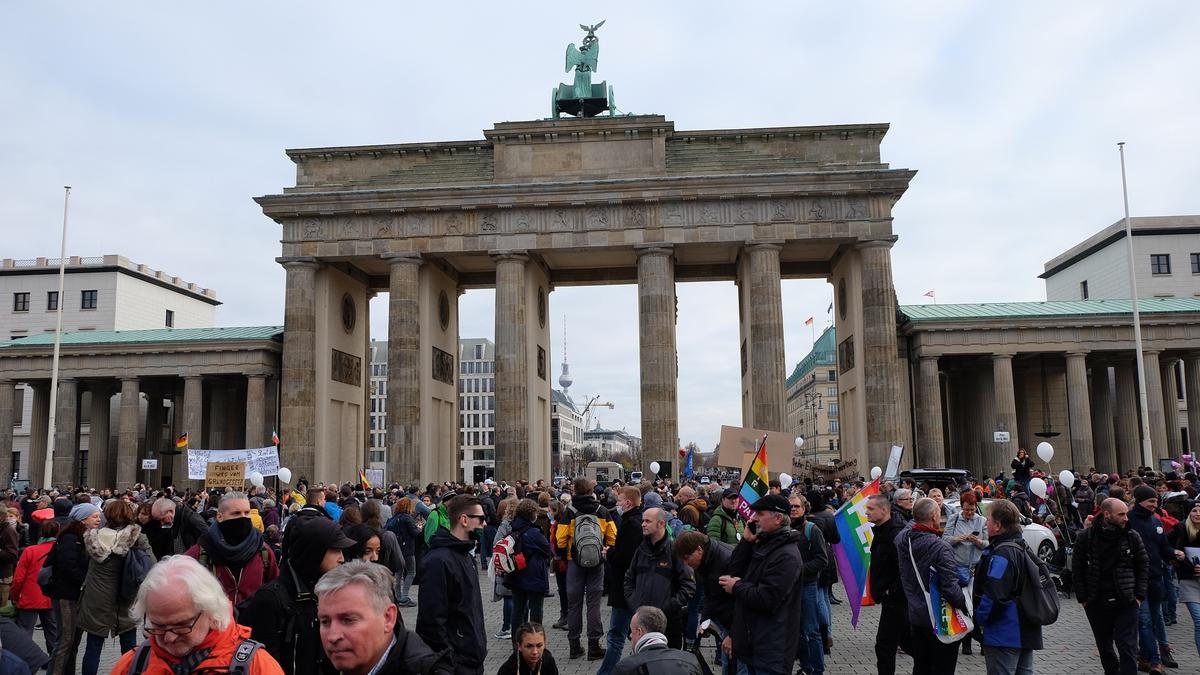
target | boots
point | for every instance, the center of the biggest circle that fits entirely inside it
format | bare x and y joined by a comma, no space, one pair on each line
576,649
595,651
1167,657
561,624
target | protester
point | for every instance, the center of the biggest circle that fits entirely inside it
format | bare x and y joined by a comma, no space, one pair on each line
31,603
1110,571
1022,467
586,524
10,552
69,564
651,653
725,526
313,507
708,558
404,526
617,560
101,612
174,529
1152,633
449,609
657,578
815,557
530,585
967,533
884,579
234,551
902,504
1187,535
190,627
531,656
920,549
1008,638
764,579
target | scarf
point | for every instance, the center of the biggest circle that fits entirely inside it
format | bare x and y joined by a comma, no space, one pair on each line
226,550
922,527
648,640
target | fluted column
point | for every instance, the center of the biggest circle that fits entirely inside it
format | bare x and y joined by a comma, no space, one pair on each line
98,433
658,358
38,435
1191,373
512,368
1083,451
128,432
932,446
298,390
404,369
1006,412
881,366
256,425
66,433
1170,387
7,415
1129,432
193,424
768,370
1154,404
1103,438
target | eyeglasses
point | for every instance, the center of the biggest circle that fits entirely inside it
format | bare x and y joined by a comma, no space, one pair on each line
177,630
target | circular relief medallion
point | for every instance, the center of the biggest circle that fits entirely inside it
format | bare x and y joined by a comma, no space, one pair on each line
444,310
541,307
349,313
841,299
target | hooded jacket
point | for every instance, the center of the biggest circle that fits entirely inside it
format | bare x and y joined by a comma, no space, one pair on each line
535,578
100,613
932,555
620,554
998,583
565,534
241,567
1150,528
223,644
717,604
450,610
25,592
766,600
724,526
657,578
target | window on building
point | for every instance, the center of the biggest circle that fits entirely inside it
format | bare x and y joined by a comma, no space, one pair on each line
462,367
170,320
833,426
1195,263
833,409
832,376
1160,263
51,301
832,391
479,351
1083,290
87,300
20,302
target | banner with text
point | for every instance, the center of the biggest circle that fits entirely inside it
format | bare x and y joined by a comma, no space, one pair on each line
263,460
221,475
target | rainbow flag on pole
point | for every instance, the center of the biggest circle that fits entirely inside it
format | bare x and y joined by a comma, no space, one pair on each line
756,482
853,554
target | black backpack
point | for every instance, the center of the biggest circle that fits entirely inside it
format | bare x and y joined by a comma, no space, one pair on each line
1037,601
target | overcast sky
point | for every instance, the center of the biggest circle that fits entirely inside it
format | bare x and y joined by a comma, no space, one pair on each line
168,118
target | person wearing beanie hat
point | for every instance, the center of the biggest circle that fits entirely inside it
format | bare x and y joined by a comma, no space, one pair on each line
81,512
1154,650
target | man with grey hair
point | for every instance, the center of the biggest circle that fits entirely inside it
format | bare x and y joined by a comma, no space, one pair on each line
921,549
361,628
190,626
902,505
173,527
650,650
234,551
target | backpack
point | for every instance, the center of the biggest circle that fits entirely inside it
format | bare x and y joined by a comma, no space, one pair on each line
1037,601
239,663
588,540
133,573
507,554
45,577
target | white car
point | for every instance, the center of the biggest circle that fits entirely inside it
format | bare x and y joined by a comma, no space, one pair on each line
1039,539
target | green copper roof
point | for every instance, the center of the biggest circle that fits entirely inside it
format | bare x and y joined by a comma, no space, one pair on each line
1014,310
824,353
155,336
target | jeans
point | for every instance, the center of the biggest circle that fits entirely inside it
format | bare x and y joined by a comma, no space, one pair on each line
66,617
1194,609
584,584
560,580
486,542
410,573
527,607
1009,661
618,633
811,648
507,604
1152,632
1112,624
1170,597
95,644
28,618
693,616
893,632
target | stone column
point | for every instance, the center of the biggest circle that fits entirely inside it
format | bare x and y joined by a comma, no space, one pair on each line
66,433
1103,438
218,405
1006,413
1154,404
38,431
931,445
1170,387
1083,451
97,458
298,408
192,424
1129,432
128,432
256,425
512,369
1191,372
881,366
767,365
658,357
404,369
7,415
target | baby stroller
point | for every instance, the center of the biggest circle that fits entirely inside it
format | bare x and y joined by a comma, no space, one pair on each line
708,628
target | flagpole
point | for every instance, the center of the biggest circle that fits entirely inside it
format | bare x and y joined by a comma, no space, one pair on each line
1147,447
48,467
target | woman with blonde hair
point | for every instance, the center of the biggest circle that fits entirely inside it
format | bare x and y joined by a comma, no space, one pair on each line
1186,535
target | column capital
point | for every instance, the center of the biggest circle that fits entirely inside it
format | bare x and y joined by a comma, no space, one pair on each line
192,378
1078,353
298,262
133,379
764,246
876,243
930,357
519,255
654,249
1150,352
405,258
996,356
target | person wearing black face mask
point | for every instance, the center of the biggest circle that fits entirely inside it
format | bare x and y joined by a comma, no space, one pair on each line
234,551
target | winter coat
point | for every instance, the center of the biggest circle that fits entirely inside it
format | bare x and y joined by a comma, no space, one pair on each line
620,554
657,578
585,504
813,552
997,586
884,574
1110,564
406,531
515,666
70,563
766,601
724,526
717,603
223,644
660,660
243,569
411,656
966,552
499,589
450,611
1178,539
535,578
100,613
931,555
25,592
10,549
1150,528
1021,468
825,521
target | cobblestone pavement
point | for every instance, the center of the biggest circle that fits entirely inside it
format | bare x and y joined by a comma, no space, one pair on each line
1069,646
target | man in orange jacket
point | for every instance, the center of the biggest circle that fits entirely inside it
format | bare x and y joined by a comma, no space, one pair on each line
191,627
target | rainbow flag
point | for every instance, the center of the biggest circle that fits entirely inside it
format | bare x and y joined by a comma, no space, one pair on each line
756,482
951,623
853,554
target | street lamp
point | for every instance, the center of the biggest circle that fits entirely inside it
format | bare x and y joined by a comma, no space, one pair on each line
812,401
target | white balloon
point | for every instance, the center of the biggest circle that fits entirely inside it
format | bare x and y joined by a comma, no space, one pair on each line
799,441
876,472
256,479
1038,487
784,480
654,467
285,474
1067,479
1045,451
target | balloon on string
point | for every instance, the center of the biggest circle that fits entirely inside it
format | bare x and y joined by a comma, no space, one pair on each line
285,474
784,480
1066,478
876,472
799,441
1045,451
256,479
654,467
1038,487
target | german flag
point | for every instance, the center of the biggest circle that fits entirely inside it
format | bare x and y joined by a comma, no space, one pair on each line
181,442
362,479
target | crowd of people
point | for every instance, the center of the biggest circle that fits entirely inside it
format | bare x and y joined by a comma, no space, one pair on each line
310,580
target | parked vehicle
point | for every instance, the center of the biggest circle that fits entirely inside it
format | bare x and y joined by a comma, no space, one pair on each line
605,472
1041,540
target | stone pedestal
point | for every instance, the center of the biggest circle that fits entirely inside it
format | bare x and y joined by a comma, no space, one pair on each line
881,367
1154,404
98,433
658,356
298,406
1083,453
128,432
512,368
7,416
38,435
931,446
1006,413
1128,427
1191,372
1170,389
1103,437
256,424
404,369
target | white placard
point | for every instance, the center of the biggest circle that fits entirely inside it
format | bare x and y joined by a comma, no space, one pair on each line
1000,436
893,465
263,460
375,477
149,464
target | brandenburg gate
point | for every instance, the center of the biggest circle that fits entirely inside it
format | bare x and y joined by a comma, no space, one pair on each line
542,204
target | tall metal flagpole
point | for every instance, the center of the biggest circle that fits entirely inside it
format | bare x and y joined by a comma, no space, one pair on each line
1147,447
48,469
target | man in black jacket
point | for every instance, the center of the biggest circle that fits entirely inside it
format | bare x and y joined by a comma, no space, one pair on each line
1110,571
884,577
815,557
173,528
764,579
709,559
657,578
449,607
1152,642
618,558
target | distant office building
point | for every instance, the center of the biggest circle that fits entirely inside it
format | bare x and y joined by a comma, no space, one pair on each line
566,429
377,422
812,403
609,441
477,407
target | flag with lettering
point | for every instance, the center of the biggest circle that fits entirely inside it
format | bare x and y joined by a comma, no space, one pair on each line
756,482
853,554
